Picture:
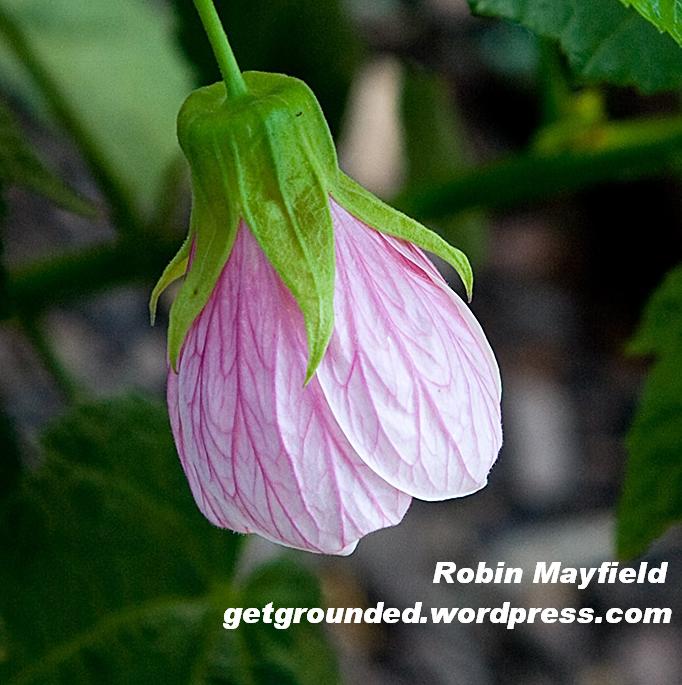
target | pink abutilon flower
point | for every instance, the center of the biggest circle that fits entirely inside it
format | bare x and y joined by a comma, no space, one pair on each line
405,402
321,373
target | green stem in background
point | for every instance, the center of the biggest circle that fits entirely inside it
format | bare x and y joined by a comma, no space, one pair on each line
113,188
624,150
48,356
232,75
10,455
606,152
555,89
72,276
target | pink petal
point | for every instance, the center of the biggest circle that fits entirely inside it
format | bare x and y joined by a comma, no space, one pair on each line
262,453
409,374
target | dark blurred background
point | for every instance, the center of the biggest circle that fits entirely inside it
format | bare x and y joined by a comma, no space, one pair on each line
417,92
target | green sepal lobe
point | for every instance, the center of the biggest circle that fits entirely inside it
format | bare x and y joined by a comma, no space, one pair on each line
290,191
214,227
381,217
176,268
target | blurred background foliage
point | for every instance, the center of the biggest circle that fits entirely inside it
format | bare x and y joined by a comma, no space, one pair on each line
564,113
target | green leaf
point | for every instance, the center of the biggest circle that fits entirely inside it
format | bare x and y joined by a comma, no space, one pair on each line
665,15
119,73
660,332
381,217
20,165
603,40
109,573
298,656
651,500
107,565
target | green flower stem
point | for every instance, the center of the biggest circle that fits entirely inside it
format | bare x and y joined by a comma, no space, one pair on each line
113,188
556,93
232,75
608,152
72,276
644,148
41,344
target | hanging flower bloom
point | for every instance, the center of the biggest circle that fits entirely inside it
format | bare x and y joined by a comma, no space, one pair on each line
322,373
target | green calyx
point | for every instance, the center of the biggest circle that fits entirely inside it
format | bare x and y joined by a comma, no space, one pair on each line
267,158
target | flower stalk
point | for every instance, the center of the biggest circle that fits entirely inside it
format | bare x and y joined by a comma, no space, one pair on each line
231,73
